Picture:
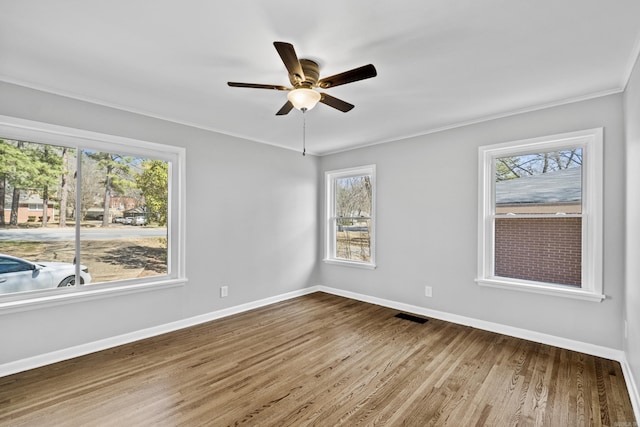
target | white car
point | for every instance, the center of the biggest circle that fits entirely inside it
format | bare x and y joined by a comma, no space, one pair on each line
19,275
140,220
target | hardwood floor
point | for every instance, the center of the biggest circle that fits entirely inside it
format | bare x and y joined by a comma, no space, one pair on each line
322,360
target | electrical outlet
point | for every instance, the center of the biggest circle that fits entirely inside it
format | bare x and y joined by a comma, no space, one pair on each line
427,291
224,291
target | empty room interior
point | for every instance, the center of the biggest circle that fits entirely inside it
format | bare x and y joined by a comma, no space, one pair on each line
347,213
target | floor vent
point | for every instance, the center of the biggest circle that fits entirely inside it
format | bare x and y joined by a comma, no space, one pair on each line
411,318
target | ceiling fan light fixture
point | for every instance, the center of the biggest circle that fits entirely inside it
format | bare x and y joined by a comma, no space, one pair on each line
303,98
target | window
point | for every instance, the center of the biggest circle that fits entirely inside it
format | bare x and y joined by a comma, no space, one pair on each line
10,265
350,229
540,215
104,209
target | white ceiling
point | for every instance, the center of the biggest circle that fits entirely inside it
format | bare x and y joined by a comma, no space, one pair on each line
441,63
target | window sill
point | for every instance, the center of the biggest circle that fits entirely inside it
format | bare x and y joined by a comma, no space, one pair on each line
540,288
70,295
347,263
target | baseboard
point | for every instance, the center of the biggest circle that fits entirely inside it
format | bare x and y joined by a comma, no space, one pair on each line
92,347
582,347
632,386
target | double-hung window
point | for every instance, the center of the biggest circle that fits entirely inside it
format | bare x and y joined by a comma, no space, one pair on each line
350,226
540,215
109,214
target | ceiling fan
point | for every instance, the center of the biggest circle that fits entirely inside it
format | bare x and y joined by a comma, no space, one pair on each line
305,77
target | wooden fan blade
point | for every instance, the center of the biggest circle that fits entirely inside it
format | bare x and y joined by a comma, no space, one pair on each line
361,73
288,55
285,109
336,103
257,86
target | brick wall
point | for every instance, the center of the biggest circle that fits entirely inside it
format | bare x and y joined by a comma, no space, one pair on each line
25,215
540,249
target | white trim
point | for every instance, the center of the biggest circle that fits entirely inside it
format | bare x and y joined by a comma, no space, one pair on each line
116,106
55,297
32,131
582,347
483,119
591,141
44,133
541,288
632,387
628,71
438,129
579,346
330,211
348,263
92,347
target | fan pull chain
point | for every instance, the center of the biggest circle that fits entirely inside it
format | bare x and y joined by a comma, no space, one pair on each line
304,132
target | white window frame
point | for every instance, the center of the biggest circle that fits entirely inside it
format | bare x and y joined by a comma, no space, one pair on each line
330,223
31,131
591,141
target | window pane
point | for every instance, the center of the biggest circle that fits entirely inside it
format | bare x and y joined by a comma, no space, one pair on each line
124,216
37,226
540,249
353,239
353,218
540,183
353,196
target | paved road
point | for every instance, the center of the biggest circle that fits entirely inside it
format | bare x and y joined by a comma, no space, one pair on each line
57,234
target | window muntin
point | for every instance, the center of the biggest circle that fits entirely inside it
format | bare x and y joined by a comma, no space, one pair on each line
8,265
154,256
351,216
540,221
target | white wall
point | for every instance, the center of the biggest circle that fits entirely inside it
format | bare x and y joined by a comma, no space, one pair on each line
632,295
427,225
251,225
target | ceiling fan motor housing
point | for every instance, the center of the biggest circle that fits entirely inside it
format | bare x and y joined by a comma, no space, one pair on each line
311,72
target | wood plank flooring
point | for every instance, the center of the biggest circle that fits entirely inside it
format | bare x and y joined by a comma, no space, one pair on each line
322,360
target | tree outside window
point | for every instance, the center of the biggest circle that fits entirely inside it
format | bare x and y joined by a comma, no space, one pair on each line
99,195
